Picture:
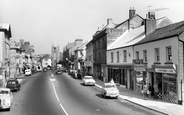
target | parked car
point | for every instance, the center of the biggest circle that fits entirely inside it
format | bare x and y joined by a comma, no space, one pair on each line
13,84
110,90
28,71
88,80
6,98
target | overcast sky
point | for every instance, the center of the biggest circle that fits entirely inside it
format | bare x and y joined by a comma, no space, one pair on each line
47,22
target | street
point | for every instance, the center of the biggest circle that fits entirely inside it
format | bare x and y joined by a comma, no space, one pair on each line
44,94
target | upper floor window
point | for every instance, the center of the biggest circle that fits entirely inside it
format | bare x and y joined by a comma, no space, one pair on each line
145,55
99,44
157,54
168,54
112,57
117,56
137,54
125,55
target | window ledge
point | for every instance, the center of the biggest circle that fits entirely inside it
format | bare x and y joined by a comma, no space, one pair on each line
156,63
168,63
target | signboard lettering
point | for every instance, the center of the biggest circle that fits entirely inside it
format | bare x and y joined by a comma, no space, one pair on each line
163,70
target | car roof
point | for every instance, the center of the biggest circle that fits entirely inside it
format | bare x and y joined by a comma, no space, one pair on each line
88,76
109,84
12,79
5,89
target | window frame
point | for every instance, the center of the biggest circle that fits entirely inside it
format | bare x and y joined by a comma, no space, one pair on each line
112,57
157,54
117,56
145,57
137,54
168,57
124,55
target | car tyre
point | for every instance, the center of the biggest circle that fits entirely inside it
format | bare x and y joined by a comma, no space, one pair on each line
8,109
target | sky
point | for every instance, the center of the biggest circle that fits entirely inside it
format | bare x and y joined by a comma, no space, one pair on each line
57,22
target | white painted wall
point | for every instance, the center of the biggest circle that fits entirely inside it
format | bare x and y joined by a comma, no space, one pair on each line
161,44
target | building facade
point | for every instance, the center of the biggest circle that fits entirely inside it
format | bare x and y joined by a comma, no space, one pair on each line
88,63
5,35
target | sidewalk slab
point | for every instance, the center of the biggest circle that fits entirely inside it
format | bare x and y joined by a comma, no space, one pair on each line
149,103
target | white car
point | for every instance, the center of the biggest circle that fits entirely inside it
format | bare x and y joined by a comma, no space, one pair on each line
88,80
110,90
6,98
28,71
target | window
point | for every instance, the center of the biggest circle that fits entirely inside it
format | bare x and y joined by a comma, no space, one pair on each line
111,57
157,54
99,44
168,54
145,55
125,55
117,56
137,54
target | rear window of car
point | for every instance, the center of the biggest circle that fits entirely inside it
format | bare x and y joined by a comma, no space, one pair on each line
11,82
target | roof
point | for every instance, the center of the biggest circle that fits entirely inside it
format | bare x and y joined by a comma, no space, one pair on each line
128,38
164,32
6,27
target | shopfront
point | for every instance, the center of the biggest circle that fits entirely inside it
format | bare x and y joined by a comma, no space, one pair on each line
166,78
141,77
120,74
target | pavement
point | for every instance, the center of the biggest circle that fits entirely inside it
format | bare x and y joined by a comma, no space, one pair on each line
157,105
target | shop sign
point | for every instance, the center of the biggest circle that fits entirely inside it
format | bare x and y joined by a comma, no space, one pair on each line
139,69
163,70
137,61
87,63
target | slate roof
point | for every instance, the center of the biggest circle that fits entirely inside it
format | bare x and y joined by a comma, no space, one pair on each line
163,33
128,38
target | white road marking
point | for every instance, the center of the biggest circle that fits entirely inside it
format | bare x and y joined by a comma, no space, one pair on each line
58,99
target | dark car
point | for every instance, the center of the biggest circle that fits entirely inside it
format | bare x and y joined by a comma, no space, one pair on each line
13,84
58,71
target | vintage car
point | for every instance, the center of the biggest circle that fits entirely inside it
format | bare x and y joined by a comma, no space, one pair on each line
110,90
13,84
6,98
58,71
88,80
28,71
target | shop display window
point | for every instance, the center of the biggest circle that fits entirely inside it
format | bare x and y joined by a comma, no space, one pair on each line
169,85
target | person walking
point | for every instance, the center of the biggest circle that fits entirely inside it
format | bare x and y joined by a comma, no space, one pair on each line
149,90
145,90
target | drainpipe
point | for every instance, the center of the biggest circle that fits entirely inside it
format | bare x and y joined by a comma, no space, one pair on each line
181,102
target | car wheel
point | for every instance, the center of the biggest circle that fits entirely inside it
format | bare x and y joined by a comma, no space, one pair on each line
104,95
8,109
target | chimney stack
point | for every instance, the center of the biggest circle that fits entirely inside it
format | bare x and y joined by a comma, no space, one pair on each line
131,13
150,26
109,21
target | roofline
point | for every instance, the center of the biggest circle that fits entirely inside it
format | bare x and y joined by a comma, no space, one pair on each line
175,35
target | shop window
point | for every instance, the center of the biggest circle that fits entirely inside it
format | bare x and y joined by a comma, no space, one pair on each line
125,55
157,54
168,54
112,57
169,85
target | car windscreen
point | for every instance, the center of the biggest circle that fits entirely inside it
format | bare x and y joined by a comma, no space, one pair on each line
3,92
11,82
88,78
110,86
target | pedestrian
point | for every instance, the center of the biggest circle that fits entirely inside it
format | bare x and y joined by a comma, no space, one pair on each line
156,91
145,90
149,90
